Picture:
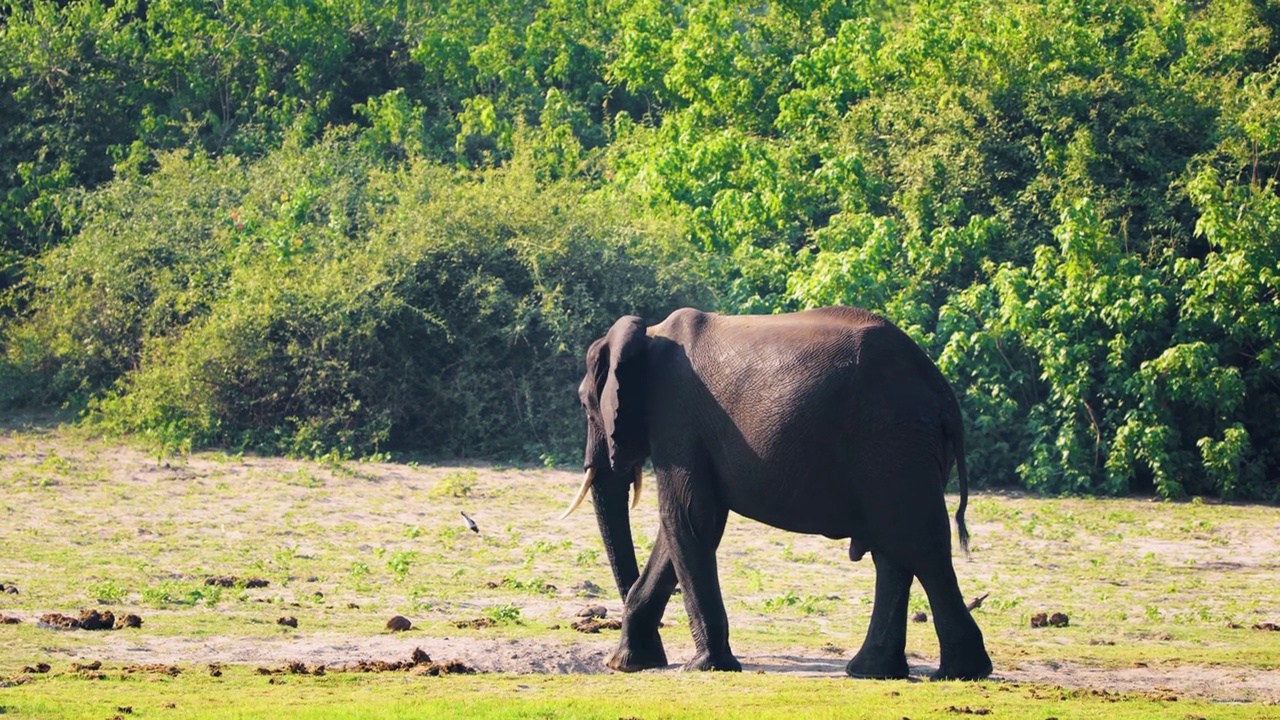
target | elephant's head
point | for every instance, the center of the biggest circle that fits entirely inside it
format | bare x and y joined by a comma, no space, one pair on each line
613,396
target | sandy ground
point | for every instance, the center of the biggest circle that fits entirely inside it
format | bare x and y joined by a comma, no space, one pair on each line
532,656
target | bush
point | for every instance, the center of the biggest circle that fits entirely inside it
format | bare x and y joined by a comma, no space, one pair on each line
1071,204
311,303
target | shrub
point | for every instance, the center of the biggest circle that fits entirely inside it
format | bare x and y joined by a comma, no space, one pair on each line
312,303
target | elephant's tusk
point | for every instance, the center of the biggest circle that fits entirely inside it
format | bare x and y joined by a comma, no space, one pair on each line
635,492
582,492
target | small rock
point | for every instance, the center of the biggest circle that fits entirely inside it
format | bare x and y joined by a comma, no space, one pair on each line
399,623
288,621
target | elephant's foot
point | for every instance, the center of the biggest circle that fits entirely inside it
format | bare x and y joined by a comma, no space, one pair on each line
637,656
706,660
974,665
874,665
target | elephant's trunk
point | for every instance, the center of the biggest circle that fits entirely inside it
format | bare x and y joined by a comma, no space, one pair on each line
609,495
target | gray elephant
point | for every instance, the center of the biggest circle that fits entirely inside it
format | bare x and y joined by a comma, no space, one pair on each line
829,422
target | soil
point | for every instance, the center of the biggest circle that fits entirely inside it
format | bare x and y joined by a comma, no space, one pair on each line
297,652
587,656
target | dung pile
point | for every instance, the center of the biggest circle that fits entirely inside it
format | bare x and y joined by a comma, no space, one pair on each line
90,620
419,663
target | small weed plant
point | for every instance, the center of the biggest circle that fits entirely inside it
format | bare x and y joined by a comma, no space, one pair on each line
107,592
457,484
505,614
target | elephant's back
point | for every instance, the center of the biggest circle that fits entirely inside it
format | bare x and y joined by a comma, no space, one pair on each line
793,347
689,323
794,406
832,366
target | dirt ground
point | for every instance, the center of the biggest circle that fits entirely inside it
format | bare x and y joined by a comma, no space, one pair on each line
78,499
533,656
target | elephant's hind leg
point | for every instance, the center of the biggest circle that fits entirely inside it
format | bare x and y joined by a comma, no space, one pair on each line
964,655
883,654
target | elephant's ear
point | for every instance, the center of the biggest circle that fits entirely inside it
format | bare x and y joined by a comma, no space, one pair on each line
622,394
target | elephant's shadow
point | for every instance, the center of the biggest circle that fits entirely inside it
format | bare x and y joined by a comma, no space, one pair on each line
809,666
818,666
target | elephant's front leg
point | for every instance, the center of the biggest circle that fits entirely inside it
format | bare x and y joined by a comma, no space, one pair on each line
693,521
640,647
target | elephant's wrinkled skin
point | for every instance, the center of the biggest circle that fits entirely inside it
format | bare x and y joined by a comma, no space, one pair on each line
828,422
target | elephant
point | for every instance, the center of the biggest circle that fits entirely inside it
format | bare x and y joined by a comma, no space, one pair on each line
829,421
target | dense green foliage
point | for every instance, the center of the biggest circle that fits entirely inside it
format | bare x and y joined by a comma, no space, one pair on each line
312,225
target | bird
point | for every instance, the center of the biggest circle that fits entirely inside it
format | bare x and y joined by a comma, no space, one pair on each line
471,524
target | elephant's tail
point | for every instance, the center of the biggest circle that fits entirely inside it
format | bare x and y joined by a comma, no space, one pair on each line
955,430
964,492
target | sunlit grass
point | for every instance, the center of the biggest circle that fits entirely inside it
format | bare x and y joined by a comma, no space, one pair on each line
241,693
343,545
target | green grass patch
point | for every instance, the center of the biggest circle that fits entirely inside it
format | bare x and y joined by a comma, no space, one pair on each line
241,693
